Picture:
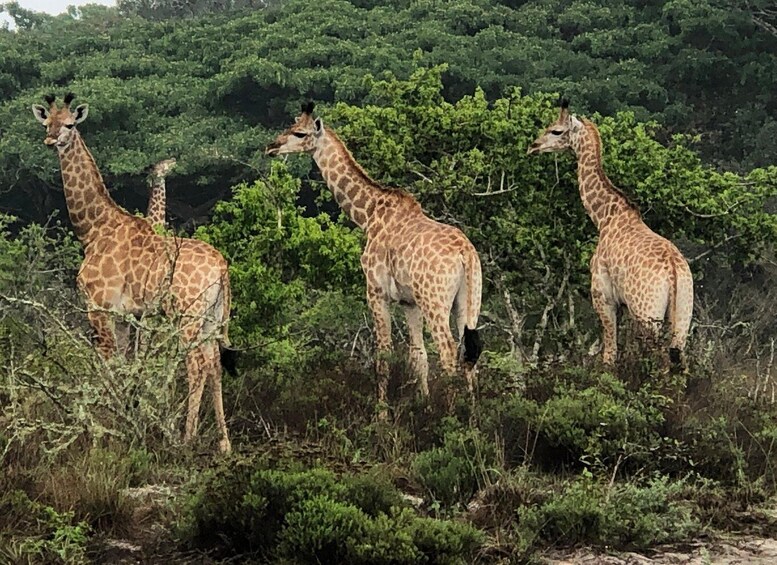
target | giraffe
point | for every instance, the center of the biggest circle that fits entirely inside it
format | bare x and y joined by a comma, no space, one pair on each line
155,214
428,267
157,205
128,268
632,265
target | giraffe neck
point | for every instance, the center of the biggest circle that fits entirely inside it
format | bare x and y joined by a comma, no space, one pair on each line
157,202
88,202
602,200
355,192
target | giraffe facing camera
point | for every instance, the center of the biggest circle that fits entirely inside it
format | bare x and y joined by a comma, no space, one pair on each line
128,268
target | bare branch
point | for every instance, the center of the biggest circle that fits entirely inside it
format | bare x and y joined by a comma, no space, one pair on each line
713,248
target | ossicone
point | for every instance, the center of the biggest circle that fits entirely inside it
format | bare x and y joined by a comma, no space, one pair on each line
69,98
49,98
308,108
564,103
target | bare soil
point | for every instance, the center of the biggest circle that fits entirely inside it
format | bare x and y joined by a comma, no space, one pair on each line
733,550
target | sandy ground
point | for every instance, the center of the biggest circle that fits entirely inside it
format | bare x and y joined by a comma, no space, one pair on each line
726,551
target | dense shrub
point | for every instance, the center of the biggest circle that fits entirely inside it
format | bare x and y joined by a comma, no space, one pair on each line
453,472
313,516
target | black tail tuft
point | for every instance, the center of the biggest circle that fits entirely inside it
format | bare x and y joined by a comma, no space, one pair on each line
229,360
674,356
473,347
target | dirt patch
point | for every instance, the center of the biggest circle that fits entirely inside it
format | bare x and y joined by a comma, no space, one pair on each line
724,551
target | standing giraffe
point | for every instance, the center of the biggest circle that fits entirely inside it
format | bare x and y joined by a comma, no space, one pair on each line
157,200
632,264
128,268
428,267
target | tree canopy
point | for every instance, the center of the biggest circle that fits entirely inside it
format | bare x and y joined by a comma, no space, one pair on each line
207,81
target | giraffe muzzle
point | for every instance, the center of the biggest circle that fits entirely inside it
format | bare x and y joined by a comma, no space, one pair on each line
533,148
272,149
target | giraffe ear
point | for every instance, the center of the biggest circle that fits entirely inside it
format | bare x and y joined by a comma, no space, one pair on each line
574,123
319,125
40,112
81,112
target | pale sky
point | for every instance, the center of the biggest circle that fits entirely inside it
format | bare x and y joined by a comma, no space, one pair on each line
53,6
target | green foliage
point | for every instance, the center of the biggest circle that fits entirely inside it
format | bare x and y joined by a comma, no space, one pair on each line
310,516
278,257
36,257
628,515
457,469
35,533
205,86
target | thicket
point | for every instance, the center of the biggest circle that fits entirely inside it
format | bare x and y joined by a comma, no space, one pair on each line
207,84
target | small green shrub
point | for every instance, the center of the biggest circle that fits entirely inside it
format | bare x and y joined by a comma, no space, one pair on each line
453,472
32,532
575,417
586,510
321,530
312,516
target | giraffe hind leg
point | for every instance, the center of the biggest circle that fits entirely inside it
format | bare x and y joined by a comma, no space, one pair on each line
103,325
608,314
214,370
196,369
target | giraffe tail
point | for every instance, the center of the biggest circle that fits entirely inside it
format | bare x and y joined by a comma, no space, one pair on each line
473,346
681,293
228,355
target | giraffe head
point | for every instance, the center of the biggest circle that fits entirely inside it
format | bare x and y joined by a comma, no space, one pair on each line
302,137
162,169
559,135
60,122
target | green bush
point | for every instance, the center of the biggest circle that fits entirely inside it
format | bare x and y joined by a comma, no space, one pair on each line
619,515
31,532
532,510
579,417
453,472
313,516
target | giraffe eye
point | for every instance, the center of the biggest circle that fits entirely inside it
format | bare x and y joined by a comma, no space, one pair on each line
69,126
557,131
299,134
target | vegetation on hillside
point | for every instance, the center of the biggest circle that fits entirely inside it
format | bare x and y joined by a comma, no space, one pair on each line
208,87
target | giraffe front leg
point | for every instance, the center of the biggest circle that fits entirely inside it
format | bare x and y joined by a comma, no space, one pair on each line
608,314
103,325
419,362
381,316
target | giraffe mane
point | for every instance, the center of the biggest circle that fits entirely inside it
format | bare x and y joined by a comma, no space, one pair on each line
626,198
362,173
